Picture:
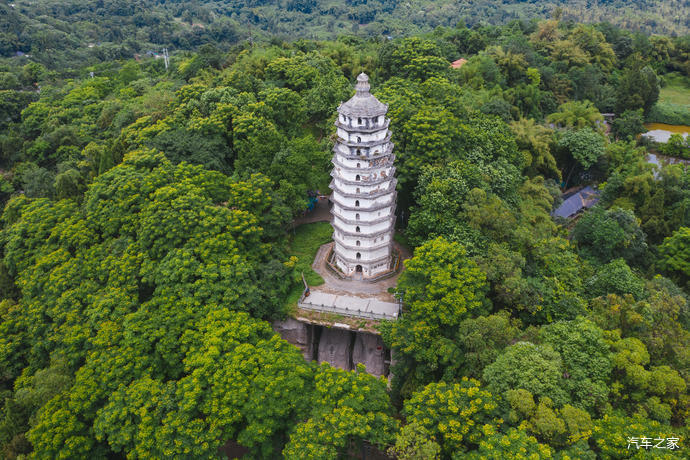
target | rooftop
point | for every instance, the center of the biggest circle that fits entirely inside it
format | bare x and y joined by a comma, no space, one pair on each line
363,103
584,199
459,63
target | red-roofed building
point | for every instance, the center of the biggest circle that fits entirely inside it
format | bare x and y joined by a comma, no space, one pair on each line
459,63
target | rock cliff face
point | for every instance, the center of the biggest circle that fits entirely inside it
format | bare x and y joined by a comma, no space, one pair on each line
339,347
297,333
334,348
368,350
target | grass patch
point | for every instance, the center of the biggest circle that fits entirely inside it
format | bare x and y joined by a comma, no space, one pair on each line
676,89
670,114
303,244
673,107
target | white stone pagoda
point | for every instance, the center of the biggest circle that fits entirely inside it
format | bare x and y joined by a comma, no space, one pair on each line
363,186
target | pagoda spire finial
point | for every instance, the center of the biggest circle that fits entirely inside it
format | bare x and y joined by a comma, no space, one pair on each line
362,86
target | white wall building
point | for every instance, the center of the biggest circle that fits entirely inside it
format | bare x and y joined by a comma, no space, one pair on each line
363,185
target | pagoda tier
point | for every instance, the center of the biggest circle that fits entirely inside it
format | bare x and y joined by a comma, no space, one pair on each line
363,185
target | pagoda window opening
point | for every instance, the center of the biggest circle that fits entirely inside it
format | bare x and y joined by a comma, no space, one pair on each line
357,192
357,177
357,201
357,229
359,139
359,165
359,256
359,121
359,152
357,243
357,216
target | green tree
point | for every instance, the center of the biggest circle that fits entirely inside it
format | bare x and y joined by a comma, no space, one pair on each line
586,360
638,88
459,415
603,234
609,442
535,143
430,135
285,108
559,427
615,277
348,408
659,321
657,198
127,288
642,389
414,442
577,115
585,146
513,65
675,256
513,445
69,184
628,125
482,339
300,166
676,146
593,42
256,141
440,286
535,368
416,58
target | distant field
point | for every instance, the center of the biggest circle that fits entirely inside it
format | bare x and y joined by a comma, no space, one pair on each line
676,91
673,107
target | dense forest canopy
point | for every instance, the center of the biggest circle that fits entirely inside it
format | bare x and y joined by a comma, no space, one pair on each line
68,33
144,249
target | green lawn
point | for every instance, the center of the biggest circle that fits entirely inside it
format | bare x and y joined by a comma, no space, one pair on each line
677,89
304,243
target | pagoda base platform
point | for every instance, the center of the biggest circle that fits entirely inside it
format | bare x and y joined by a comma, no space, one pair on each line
394,266
342,295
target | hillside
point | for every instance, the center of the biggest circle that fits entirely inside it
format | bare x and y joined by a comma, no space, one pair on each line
73,32
147,243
